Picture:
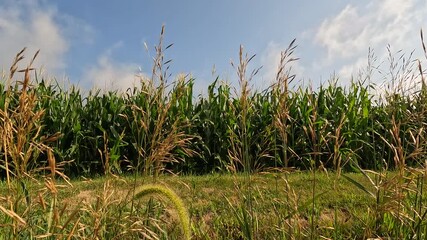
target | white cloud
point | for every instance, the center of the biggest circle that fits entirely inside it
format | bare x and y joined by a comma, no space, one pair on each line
348,35
339,35
27,24
37,25
109,74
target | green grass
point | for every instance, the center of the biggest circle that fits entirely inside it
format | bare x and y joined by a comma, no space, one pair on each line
212,199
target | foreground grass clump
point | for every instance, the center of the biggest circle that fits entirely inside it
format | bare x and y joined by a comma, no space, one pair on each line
173,198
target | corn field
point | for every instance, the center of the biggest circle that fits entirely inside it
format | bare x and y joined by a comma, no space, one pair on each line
162,126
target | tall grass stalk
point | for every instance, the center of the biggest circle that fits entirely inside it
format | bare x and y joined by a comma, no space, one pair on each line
154,135
282,118
17,125
22,140
239,153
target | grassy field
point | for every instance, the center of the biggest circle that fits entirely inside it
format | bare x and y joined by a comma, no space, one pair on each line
157,162
281,207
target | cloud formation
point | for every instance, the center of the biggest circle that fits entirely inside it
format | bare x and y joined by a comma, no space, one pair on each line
28,24
38,26
348,35
108,74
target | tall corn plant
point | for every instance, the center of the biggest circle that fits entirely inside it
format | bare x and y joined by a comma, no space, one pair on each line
111,130
346,113
182,113
64,111
213,116
262,136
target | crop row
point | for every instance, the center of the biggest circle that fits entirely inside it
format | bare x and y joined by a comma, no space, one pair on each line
158,127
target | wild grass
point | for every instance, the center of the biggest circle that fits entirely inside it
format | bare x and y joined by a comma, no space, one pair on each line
100,208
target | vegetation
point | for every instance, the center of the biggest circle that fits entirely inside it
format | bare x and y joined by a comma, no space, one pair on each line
159,127
260,139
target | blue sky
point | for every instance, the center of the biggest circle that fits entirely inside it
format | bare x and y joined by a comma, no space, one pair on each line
101,43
